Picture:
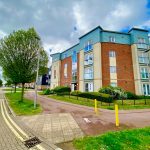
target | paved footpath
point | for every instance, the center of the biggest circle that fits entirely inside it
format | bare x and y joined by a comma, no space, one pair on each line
90,123
13,134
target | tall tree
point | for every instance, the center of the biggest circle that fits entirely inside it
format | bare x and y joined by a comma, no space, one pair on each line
1,82
19,55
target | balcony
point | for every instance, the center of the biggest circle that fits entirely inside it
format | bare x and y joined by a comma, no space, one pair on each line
88,48
88,62
142,46
88,76
143,60
144,75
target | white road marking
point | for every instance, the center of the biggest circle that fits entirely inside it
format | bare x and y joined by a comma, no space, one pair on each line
11,128
17,127
87,120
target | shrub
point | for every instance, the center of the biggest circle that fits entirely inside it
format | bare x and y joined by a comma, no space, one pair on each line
75,93
48,92
131,95
115,92
62,90
95,95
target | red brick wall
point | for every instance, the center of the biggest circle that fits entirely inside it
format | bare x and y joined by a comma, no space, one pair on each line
125,77
63,80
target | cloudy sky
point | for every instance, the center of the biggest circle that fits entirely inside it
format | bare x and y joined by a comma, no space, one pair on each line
61,22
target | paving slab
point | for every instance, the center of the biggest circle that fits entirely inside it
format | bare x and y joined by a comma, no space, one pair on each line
57,128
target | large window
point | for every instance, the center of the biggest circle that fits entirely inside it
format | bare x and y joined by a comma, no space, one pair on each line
112,54
65,70
144,73
89,87
88,73
88,59
55,74
146,89
112,69
112,39
74,66
88,46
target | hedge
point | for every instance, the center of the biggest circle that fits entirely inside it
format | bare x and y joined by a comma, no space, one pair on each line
62,90
48,92
94,95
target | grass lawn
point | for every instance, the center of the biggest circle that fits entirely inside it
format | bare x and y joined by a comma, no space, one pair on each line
135,139
12,89
22,108
128,104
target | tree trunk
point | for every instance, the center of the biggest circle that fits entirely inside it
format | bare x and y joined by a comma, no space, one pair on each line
15,88
22,93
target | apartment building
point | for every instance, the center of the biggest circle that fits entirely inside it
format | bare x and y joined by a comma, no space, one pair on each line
103,58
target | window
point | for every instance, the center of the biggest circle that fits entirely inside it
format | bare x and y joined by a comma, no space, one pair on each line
143,58
111,39
74,66
146,89
88,73
89,87
54,74
112,54
144,73
88,46
141,41
112,69
65,70
88,59
65,55
114,84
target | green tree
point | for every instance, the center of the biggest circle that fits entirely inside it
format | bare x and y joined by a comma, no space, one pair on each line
1,82
19,55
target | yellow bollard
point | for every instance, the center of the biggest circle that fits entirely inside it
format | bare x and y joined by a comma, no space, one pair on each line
96,110
117,116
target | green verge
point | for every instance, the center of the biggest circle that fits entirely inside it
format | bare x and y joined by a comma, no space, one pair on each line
135,139
22,108
12,89
128,104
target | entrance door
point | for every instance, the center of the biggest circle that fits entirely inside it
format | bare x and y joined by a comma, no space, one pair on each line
73,86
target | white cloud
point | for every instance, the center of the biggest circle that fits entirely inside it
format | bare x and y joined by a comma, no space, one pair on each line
80,18
2,34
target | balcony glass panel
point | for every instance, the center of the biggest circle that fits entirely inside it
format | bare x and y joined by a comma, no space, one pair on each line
142,46
88,76
144,60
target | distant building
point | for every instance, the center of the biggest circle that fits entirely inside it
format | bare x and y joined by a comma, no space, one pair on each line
103,58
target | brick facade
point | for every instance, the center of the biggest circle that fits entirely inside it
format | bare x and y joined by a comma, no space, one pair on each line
125,76
66,81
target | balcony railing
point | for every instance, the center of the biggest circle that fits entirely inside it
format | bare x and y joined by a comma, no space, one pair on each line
142,46
88,76
144,75
88,62
144,60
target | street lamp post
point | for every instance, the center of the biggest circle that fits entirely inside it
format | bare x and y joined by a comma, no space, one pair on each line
37,74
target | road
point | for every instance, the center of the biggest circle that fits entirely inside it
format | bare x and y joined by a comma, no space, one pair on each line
90,123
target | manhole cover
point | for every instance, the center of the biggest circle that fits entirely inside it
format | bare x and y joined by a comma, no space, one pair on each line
32,142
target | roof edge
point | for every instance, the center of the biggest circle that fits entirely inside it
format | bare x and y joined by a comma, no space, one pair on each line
91,31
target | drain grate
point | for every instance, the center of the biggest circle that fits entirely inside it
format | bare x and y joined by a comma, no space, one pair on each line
32,142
